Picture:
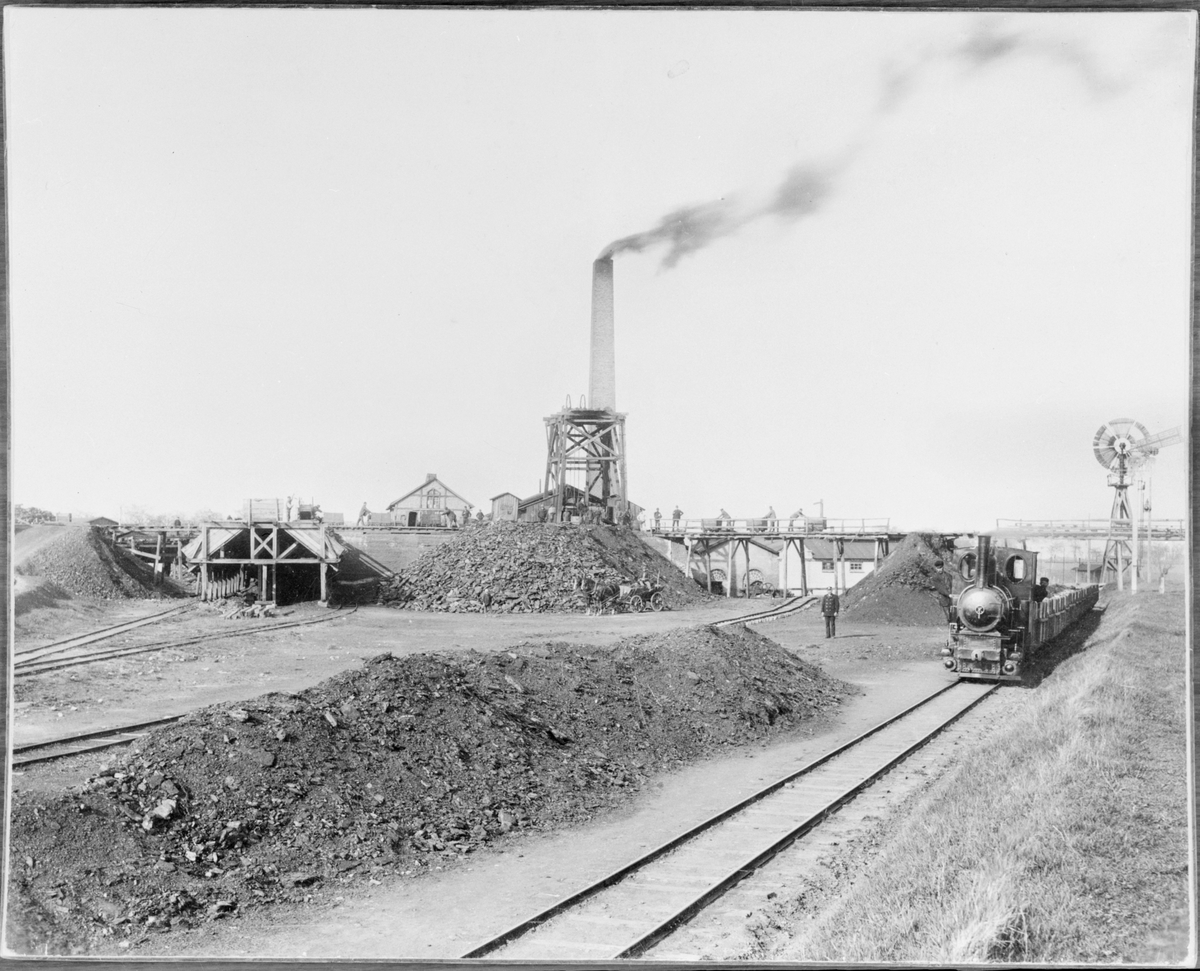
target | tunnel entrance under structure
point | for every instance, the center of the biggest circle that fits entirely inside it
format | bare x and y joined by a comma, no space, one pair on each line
290,562
585,450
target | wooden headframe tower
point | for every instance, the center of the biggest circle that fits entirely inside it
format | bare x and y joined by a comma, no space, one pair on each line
587,445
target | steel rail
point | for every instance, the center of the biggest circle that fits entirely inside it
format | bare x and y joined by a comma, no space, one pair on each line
100,634
522,928
32,668
789,606
686,913
19,751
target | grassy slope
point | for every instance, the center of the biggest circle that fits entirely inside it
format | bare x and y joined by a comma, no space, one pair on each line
1062,837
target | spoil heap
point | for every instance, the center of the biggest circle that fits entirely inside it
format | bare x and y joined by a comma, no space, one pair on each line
530,568
910,587
82,564
391,769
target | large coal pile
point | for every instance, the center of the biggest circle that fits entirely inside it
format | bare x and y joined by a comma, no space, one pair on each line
81,563
391,769
910,587
530,568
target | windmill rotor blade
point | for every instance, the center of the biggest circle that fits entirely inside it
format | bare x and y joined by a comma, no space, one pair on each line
1172,436
1117,438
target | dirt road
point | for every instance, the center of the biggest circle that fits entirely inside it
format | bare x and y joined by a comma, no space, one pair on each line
441,914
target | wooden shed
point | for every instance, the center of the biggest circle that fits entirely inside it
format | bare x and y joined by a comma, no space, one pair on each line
504,507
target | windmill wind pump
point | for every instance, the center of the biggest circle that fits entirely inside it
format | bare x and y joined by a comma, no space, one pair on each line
1123,446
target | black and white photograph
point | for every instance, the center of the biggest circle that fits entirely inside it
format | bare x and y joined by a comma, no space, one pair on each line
562,484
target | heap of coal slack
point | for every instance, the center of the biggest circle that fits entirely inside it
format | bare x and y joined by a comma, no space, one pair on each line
911,586
531,568
393,769
82,564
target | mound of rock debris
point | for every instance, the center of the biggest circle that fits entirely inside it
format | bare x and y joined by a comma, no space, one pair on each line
82,564
911,586
531,568
391,769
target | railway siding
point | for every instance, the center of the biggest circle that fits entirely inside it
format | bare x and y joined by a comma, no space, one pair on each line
629,916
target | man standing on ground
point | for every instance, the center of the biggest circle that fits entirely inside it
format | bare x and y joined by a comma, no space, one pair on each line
830,605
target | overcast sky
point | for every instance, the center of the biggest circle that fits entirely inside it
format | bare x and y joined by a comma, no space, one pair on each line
262,252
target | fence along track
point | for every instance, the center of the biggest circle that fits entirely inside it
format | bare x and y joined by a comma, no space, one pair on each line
690,871
24,669
61,748
789,606
103,633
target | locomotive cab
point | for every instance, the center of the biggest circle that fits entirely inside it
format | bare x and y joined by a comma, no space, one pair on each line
991,589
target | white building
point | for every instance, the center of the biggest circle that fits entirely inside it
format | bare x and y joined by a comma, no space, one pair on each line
822,570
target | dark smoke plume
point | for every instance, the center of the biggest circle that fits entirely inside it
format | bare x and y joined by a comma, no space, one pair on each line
803,190
806,186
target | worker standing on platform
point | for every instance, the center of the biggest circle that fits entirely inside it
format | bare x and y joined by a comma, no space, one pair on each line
830,605
364,516
657,519
772,520
798,514
724,520
676,515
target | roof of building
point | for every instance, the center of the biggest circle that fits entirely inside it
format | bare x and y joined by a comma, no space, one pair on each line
568,489
310,539
513,494
852,549
430,479
102,521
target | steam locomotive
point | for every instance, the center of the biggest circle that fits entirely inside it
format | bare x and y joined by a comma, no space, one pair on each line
996,625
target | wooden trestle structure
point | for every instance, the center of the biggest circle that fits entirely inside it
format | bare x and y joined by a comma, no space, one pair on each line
588,446
700,539
168,545
219,548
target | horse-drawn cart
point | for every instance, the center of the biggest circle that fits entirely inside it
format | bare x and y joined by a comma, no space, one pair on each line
624,595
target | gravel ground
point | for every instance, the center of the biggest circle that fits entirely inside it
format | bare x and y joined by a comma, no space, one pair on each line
910,587
384,770
79,563
531,568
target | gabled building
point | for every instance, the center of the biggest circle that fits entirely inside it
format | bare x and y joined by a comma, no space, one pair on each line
428,504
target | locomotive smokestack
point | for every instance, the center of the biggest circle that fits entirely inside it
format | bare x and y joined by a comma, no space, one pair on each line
602,371
985,548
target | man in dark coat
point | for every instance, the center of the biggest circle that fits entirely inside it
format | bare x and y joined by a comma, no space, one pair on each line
830,605
1041,590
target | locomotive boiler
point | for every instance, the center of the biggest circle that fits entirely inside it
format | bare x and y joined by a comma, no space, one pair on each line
997,625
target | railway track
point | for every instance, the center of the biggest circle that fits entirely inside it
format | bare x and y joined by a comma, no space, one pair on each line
103,633
789,606
60,748
27,667
637,906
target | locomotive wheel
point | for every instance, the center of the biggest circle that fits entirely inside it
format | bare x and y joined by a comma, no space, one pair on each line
657,602
636,604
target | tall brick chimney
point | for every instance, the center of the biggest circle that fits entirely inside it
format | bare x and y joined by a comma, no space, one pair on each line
602,371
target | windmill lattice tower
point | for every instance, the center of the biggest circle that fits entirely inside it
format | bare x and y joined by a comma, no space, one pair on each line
1122,446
